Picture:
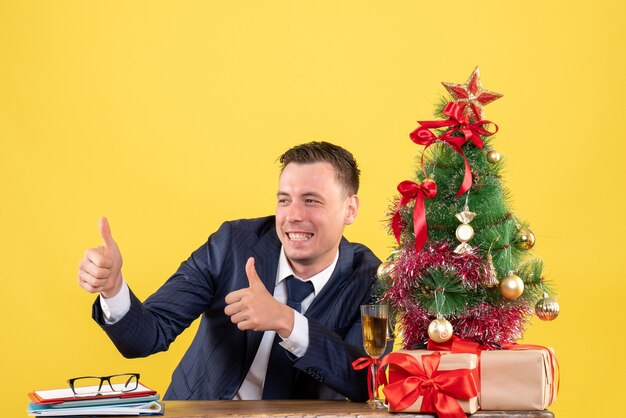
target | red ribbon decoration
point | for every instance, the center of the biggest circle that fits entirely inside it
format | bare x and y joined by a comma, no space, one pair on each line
457,345
440,388
460,345
360,364
410,190
458,123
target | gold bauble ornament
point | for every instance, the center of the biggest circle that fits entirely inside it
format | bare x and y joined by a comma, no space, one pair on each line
511,286
493,156
547,309
385,269
440,330
525,238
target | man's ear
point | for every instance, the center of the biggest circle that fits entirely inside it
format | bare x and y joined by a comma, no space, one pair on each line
352,208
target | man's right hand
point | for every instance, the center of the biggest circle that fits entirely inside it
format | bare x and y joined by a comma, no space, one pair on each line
100,270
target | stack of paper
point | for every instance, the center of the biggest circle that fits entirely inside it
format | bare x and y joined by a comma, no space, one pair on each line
63,402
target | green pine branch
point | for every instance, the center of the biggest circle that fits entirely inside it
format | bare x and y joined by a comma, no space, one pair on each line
440,291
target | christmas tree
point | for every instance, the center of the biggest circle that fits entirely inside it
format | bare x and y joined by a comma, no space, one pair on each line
462,265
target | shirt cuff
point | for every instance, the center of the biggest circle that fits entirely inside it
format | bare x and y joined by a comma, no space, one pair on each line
298,341
116,307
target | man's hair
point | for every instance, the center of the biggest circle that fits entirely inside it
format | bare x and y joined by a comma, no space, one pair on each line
341,159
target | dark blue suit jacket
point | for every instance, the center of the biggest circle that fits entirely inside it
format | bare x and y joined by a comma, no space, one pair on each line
220,355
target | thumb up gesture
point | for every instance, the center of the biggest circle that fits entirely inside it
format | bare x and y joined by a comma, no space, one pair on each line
100,270
254,308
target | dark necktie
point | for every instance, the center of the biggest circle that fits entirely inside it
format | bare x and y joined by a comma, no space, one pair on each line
280,366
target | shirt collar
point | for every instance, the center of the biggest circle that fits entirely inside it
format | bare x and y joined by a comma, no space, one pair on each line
319,280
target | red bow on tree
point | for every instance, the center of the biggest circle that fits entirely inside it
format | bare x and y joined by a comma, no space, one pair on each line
457,123
410,190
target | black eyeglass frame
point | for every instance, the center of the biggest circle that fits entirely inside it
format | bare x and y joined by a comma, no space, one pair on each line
107,379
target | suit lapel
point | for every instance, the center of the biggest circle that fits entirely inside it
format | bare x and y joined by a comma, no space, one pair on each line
265,252
322,307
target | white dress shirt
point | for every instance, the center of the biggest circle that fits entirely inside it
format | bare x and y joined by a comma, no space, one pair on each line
297,342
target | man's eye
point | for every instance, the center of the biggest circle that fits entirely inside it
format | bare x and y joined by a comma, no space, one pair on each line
311,201
282,201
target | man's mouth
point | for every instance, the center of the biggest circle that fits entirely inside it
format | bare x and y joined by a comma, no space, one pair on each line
299,236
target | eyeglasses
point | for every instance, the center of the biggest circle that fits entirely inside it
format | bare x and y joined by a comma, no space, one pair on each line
95,385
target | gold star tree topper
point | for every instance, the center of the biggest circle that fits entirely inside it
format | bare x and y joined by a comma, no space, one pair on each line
471,97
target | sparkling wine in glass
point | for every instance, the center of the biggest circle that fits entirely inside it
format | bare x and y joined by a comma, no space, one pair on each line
374,322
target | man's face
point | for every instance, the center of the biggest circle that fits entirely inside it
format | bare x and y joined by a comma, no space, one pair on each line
311,212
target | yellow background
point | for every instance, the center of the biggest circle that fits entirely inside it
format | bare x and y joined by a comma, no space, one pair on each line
168,117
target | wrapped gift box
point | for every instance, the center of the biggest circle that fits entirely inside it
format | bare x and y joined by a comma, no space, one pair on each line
518,379
448,362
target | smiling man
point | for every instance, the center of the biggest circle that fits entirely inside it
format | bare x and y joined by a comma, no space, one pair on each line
279,296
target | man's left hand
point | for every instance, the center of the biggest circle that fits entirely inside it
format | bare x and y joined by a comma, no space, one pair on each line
254,308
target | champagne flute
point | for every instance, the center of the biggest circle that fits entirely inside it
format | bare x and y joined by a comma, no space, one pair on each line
374,323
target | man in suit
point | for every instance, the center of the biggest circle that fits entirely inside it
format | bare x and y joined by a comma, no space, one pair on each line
279,296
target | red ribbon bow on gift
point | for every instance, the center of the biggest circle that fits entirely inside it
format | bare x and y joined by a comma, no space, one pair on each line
440,388
410,190
458,123
360,364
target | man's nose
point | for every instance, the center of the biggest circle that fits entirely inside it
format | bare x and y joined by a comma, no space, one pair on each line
295,213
